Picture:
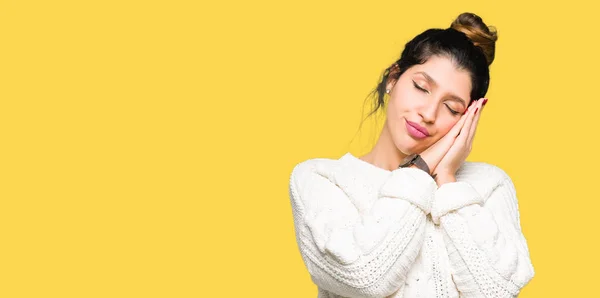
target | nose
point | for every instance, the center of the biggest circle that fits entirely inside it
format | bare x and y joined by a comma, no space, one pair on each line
428,112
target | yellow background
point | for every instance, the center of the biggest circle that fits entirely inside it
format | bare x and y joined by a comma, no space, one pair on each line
147,145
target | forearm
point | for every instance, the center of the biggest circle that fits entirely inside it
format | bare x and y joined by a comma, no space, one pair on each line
353,249
440,179
484,240
443,179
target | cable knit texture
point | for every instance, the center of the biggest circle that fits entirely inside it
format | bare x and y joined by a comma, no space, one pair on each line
364,231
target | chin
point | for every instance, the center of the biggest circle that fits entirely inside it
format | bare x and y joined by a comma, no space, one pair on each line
407,145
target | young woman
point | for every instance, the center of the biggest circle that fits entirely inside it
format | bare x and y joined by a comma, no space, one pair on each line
412,218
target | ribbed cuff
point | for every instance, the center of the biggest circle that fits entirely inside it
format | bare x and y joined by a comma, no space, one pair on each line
452,196
411,184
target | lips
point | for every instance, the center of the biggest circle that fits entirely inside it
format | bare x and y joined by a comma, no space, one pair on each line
418,127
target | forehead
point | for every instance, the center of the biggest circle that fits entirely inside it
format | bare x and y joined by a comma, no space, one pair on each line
446,75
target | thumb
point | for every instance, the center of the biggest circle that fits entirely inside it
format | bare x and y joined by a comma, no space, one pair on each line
455,131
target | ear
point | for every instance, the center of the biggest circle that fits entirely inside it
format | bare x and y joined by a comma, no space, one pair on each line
390,84
392,76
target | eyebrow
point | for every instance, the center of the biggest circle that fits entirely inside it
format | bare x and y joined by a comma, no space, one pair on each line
433,82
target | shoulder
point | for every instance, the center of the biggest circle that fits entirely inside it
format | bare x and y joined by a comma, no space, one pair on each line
307,182
484,177
303,170
481,170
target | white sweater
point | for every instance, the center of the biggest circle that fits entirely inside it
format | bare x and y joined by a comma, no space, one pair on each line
364,231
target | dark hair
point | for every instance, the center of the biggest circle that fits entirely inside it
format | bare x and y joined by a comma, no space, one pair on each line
469,42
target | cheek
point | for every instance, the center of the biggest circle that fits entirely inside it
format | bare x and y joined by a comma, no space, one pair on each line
446,126
401,102
442,130
395,108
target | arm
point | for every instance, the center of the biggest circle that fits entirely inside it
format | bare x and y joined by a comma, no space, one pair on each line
356,241
487,249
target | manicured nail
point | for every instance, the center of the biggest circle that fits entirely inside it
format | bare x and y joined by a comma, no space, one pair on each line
475,113
484,101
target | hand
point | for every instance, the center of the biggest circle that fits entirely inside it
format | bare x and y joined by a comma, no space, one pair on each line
434,154
463,143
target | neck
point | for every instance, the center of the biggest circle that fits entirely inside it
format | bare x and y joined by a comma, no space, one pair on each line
385,154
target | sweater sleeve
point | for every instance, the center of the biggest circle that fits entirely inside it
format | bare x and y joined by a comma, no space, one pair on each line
356,241
487,249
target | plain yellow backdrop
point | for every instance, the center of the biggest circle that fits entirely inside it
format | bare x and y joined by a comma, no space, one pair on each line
147,145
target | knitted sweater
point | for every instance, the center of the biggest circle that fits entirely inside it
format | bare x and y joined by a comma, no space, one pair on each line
364,231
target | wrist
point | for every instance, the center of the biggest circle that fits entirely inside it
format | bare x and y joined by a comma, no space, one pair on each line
443,179
414,166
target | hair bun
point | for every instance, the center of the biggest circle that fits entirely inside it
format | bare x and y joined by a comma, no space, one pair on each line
480,34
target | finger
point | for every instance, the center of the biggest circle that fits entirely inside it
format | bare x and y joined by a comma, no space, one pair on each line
475,124
465,116
459,125
464,133
455,131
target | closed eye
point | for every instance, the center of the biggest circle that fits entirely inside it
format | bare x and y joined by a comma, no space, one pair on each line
419,87
451,110
423,90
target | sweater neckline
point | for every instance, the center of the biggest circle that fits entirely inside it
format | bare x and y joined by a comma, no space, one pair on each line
363,165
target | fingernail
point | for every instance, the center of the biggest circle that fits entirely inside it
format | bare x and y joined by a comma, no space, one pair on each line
476,111
484,101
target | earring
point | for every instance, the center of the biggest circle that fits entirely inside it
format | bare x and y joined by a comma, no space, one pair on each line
387,91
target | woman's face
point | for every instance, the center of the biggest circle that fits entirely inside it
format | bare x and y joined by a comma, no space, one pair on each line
433,95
